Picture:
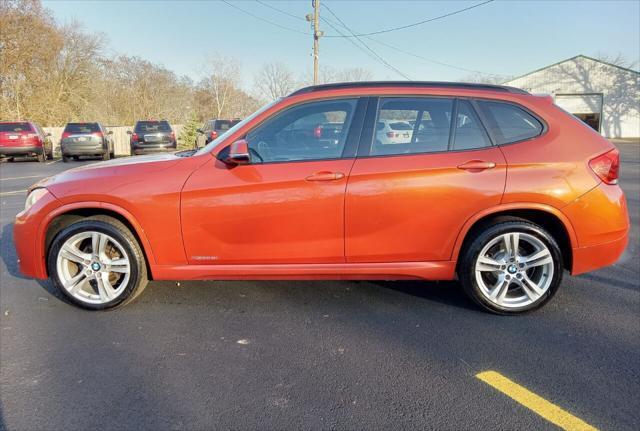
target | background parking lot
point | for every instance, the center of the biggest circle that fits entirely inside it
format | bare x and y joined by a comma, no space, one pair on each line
326,354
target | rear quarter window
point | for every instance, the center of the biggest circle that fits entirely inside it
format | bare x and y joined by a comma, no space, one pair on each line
509,123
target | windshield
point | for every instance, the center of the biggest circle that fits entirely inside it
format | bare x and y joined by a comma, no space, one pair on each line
82,128
211,145
152,126
15,127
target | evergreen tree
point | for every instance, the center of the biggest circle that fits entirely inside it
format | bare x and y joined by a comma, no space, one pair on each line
188,134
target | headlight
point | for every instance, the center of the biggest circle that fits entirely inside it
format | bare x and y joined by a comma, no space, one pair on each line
33,197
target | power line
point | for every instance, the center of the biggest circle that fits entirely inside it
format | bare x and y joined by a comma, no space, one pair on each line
264,19
417,23
390,66
280,10
395,48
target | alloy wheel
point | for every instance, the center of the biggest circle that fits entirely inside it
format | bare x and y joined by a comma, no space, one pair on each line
93,267
514,270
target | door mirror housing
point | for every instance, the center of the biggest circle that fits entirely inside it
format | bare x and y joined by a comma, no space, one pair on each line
110,132
238,153
199,131
129,132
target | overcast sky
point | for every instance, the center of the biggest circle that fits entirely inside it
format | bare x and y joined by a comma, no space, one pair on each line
500,37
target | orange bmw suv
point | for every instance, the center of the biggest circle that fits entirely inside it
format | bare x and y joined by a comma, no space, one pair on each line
489,185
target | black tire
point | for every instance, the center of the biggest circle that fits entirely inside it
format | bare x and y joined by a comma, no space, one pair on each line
481,237
42,157
65,159
76,158
106,155
104,224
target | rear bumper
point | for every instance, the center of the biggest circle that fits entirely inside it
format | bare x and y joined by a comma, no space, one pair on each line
81,149
152,148
20,151
601,222
587,259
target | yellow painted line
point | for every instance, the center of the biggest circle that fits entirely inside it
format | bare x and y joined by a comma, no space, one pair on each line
539,405
15,192
21,178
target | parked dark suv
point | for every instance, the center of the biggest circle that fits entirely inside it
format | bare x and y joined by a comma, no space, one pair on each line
152,136
212,129
86,139
24,138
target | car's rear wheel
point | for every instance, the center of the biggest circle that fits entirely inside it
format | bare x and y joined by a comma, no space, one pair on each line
97,263
42,157
106,155
511,267
65,159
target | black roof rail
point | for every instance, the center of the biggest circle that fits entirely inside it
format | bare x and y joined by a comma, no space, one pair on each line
427,84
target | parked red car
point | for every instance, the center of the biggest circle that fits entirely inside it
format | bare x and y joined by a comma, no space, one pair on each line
491,185
24,138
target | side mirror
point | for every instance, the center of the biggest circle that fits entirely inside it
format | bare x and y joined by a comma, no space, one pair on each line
238,153
129,132
110,132
199,131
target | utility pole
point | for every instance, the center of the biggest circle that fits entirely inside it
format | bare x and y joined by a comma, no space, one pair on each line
317,34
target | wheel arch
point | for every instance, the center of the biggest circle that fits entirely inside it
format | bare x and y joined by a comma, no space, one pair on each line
554,221
70,213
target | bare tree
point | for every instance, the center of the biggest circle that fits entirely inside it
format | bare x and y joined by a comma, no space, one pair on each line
483,78
274,80
222,77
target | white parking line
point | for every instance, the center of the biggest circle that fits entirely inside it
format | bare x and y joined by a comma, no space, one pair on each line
15,192
21,178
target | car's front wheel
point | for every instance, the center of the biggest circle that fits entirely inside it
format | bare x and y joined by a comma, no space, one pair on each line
511,267
97,263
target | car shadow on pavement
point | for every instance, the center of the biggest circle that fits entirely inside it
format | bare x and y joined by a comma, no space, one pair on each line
443,292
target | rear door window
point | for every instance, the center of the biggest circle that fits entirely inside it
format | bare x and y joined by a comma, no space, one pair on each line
412,126
469,133
15,127
152,126
81,128
509,123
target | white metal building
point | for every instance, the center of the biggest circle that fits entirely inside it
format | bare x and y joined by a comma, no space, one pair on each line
605,96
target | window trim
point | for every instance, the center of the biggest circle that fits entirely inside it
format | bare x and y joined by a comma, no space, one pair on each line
485,120
351,141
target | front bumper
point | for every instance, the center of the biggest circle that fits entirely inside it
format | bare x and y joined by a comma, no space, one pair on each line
20,150
28,238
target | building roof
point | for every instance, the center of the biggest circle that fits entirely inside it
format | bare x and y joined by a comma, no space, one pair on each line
427,84
570,59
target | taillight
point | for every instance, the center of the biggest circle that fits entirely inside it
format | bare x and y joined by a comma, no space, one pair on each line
392,135
607,166
173,136
98,134
65,135
214,134
317,132
134,137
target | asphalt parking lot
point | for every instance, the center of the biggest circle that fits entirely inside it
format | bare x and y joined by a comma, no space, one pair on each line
314,355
